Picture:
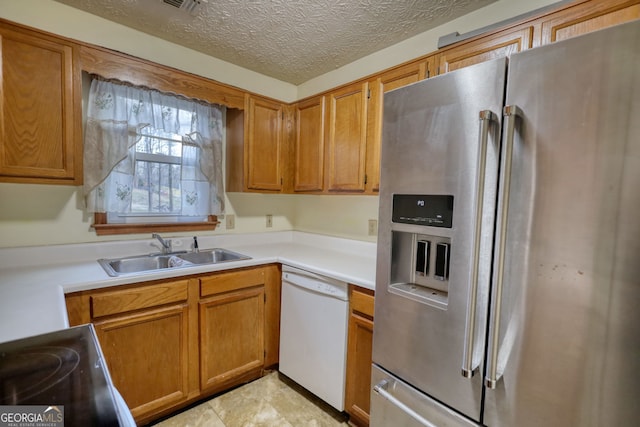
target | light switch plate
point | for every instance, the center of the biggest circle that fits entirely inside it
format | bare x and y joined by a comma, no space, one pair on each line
373,227
269,220
230,221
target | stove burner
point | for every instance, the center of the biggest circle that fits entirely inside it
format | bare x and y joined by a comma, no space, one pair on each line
29,372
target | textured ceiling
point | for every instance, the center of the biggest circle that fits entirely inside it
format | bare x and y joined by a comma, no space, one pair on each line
290,40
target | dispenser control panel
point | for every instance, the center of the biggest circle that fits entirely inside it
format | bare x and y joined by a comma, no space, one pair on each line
423,209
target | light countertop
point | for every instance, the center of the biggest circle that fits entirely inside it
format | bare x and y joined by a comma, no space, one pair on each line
33,280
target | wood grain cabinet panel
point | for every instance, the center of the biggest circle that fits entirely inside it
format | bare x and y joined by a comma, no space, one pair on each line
587,17
122,301
148,357
231,338
309,145
347,138
231,281
359,356
498,45
263,145
40,117
389,80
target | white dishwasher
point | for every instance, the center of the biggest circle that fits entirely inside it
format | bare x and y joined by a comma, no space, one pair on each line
313,333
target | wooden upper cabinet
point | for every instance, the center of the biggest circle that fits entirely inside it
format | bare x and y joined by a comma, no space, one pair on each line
587,17
309,145
263,144
347,138
498,45
40,116
389,80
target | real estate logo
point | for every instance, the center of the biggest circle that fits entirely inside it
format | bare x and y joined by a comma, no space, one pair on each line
31,416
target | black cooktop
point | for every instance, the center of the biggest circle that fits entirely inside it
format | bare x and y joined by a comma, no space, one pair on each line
62,368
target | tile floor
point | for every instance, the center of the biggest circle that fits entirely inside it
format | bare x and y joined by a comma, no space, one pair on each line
271,401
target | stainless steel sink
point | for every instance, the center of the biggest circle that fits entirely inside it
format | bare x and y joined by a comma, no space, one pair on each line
145,263
212,256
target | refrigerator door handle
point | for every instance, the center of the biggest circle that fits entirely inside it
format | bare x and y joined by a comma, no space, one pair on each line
511,112
381,389
470,366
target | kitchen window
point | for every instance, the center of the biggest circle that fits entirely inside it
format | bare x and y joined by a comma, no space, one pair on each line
152,161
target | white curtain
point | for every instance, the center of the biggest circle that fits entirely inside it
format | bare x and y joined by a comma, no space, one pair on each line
117,113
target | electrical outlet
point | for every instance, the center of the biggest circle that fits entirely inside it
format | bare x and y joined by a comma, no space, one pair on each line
230,221
373,227
269,220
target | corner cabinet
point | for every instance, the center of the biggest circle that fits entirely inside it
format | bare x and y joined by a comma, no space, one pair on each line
263,151
170,343
359,355
309,145
40,111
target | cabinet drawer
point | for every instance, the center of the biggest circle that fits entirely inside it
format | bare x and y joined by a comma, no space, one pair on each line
121,301
362,300
225,282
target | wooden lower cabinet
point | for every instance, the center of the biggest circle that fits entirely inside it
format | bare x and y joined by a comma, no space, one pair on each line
169,343
147,355
359,354
232,331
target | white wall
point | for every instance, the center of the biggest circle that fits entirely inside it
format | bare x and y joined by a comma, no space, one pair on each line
336,215
49,214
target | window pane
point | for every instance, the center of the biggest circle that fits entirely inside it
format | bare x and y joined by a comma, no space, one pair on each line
155,141
156,188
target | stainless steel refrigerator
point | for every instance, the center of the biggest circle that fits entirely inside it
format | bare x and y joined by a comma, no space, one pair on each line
508,272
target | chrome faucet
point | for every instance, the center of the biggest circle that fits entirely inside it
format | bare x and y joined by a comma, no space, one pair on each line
166,244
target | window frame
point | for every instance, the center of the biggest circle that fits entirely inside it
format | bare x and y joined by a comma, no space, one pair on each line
103,228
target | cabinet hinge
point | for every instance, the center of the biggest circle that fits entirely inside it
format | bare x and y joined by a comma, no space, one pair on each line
265,298
428,73
368,93
281,181
365,178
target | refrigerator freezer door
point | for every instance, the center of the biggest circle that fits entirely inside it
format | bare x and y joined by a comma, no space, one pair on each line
568,349
431,147
397,404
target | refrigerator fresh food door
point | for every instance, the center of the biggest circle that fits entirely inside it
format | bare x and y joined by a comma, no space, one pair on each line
437,202
566,351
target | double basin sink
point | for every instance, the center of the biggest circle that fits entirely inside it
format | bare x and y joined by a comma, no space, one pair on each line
145,263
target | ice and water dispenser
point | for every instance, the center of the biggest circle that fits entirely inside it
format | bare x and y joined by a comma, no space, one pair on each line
421,246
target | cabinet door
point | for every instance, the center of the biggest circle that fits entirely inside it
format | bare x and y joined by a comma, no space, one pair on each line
347,138
499,45
393,79
39,111
359,356
263,149
309,145
147,356
231,338
587,17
